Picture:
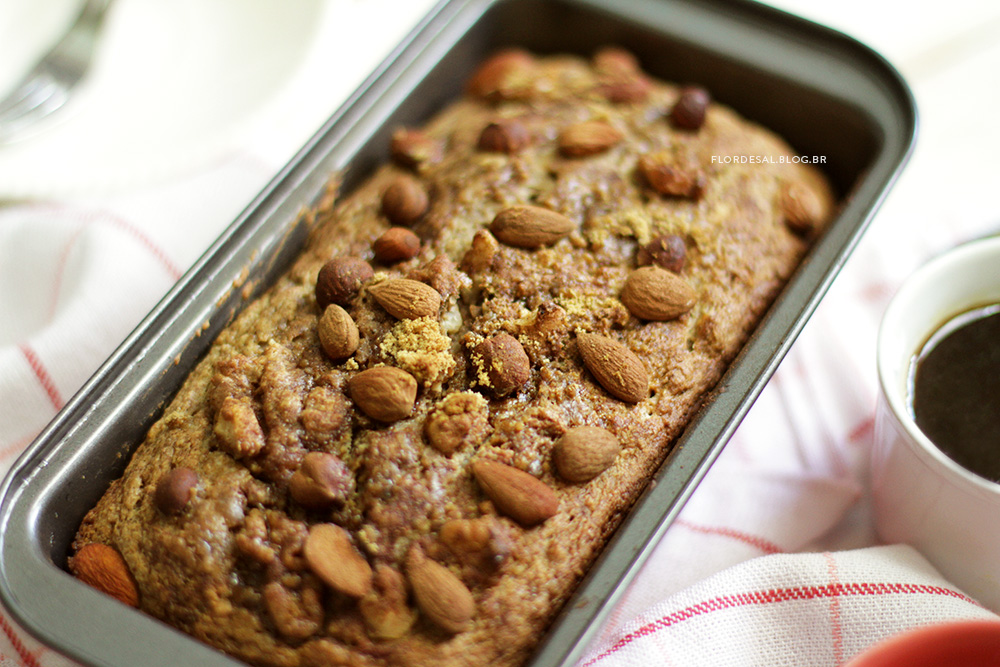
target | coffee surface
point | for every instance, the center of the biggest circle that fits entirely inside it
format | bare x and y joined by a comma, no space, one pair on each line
956,391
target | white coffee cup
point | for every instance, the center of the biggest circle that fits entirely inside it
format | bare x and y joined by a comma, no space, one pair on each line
920,496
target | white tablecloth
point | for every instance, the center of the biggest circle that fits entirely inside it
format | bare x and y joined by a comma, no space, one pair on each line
774,560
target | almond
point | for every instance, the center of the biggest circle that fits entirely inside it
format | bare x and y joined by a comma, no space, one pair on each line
615,367
671,177
652,293
413,148
801,208
397,244
501,364
407,299
338,334
384,609
490,78
102,567
384,393
584,452
515,493
440,595
504,136
530,226
333,558
588,138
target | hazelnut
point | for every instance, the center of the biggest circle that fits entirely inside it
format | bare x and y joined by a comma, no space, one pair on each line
175,490
340,279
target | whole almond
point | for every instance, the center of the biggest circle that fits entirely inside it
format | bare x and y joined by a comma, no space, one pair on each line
504,136
801,208
615,367
175,490
652,293
414,148
321,481
407,299
515,493
404,201
584,452
338,334
530,226
670,177
440,595
340,279
588,138
397,244
502,364
102,567
384,393
333,558
489,79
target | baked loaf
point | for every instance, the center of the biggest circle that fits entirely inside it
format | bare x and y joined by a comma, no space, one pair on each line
411,448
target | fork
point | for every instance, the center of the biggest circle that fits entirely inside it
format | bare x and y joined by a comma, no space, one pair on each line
48,85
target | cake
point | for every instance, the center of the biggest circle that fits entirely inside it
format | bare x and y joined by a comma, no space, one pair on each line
409,450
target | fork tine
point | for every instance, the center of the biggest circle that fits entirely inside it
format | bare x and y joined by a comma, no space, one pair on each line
47,87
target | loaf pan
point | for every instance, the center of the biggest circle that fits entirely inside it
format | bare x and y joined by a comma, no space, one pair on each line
829,96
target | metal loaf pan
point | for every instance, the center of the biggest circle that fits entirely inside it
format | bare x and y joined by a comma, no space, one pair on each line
825,93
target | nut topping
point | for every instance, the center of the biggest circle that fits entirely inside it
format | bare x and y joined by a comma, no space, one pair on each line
397,244
407,299
404,201
457,421
384,393
340,279
515,493
331,556
321,481
501,364
652,293
338,334
615,367
504,136
588,138
440,595
672,178
175,490
490,79
584,452
689,111
412,148
238,429
667,251
530,226
802,209
384,609
103,568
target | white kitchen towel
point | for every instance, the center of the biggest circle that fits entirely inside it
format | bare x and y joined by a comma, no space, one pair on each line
816,609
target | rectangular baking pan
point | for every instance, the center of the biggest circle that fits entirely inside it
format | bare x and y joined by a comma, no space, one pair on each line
825,93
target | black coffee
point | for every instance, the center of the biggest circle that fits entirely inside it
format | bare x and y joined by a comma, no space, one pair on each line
956,390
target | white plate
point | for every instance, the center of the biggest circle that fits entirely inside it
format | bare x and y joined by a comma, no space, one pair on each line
174,85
